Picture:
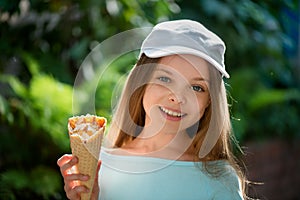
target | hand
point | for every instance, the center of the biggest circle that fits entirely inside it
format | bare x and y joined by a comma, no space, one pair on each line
72,186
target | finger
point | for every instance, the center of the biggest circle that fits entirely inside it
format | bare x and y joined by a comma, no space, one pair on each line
98,168
99,165
65,158
74,192
95,190
67,167
73,180
76,177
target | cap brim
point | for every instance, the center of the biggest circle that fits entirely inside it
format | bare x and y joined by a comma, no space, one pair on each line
171,50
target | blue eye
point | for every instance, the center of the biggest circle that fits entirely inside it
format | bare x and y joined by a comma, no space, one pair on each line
197,88
164,79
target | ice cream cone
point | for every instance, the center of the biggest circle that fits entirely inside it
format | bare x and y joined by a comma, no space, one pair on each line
85,139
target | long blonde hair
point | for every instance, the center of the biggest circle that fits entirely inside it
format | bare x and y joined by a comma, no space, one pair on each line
129,114
129,118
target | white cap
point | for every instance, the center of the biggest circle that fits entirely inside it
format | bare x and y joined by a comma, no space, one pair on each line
185,37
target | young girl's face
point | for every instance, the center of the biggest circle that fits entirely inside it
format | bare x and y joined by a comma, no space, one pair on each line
178,93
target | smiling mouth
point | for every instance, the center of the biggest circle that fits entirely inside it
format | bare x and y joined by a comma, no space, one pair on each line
171,113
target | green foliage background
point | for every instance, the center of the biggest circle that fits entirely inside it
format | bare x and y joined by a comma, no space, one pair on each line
43,44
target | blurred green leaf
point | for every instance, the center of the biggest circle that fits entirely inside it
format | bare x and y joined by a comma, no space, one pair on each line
31,63
45,90
3,106
53,100
18,87
45,181
79,49
264,98
15,179
5,110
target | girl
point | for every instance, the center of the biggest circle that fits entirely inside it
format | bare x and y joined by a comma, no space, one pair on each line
170,137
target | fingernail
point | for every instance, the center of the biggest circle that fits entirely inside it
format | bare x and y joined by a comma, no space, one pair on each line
75,159
85,177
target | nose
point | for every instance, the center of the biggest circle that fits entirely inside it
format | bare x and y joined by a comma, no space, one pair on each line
177,98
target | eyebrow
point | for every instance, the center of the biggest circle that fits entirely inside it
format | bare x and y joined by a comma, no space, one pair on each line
170,73
164,70
200,79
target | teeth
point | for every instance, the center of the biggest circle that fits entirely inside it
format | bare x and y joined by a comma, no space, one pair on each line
172,113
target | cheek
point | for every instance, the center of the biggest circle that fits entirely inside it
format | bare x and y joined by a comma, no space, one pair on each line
203,103
150,97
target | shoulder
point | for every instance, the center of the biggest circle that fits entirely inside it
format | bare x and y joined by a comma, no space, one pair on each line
227,182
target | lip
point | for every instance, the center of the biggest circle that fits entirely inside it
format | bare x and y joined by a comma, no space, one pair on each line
171,114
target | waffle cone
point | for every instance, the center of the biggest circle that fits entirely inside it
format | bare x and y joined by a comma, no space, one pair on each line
86,149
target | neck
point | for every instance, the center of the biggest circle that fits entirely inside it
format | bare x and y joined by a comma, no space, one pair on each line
162,144
154,142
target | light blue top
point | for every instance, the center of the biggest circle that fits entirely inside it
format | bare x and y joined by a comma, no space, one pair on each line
144,178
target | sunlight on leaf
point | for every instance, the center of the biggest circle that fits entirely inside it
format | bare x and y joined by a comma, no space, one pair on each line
265,98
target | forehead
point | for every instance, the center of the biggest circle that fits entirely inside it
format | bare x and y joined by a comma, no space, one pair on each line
186,65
